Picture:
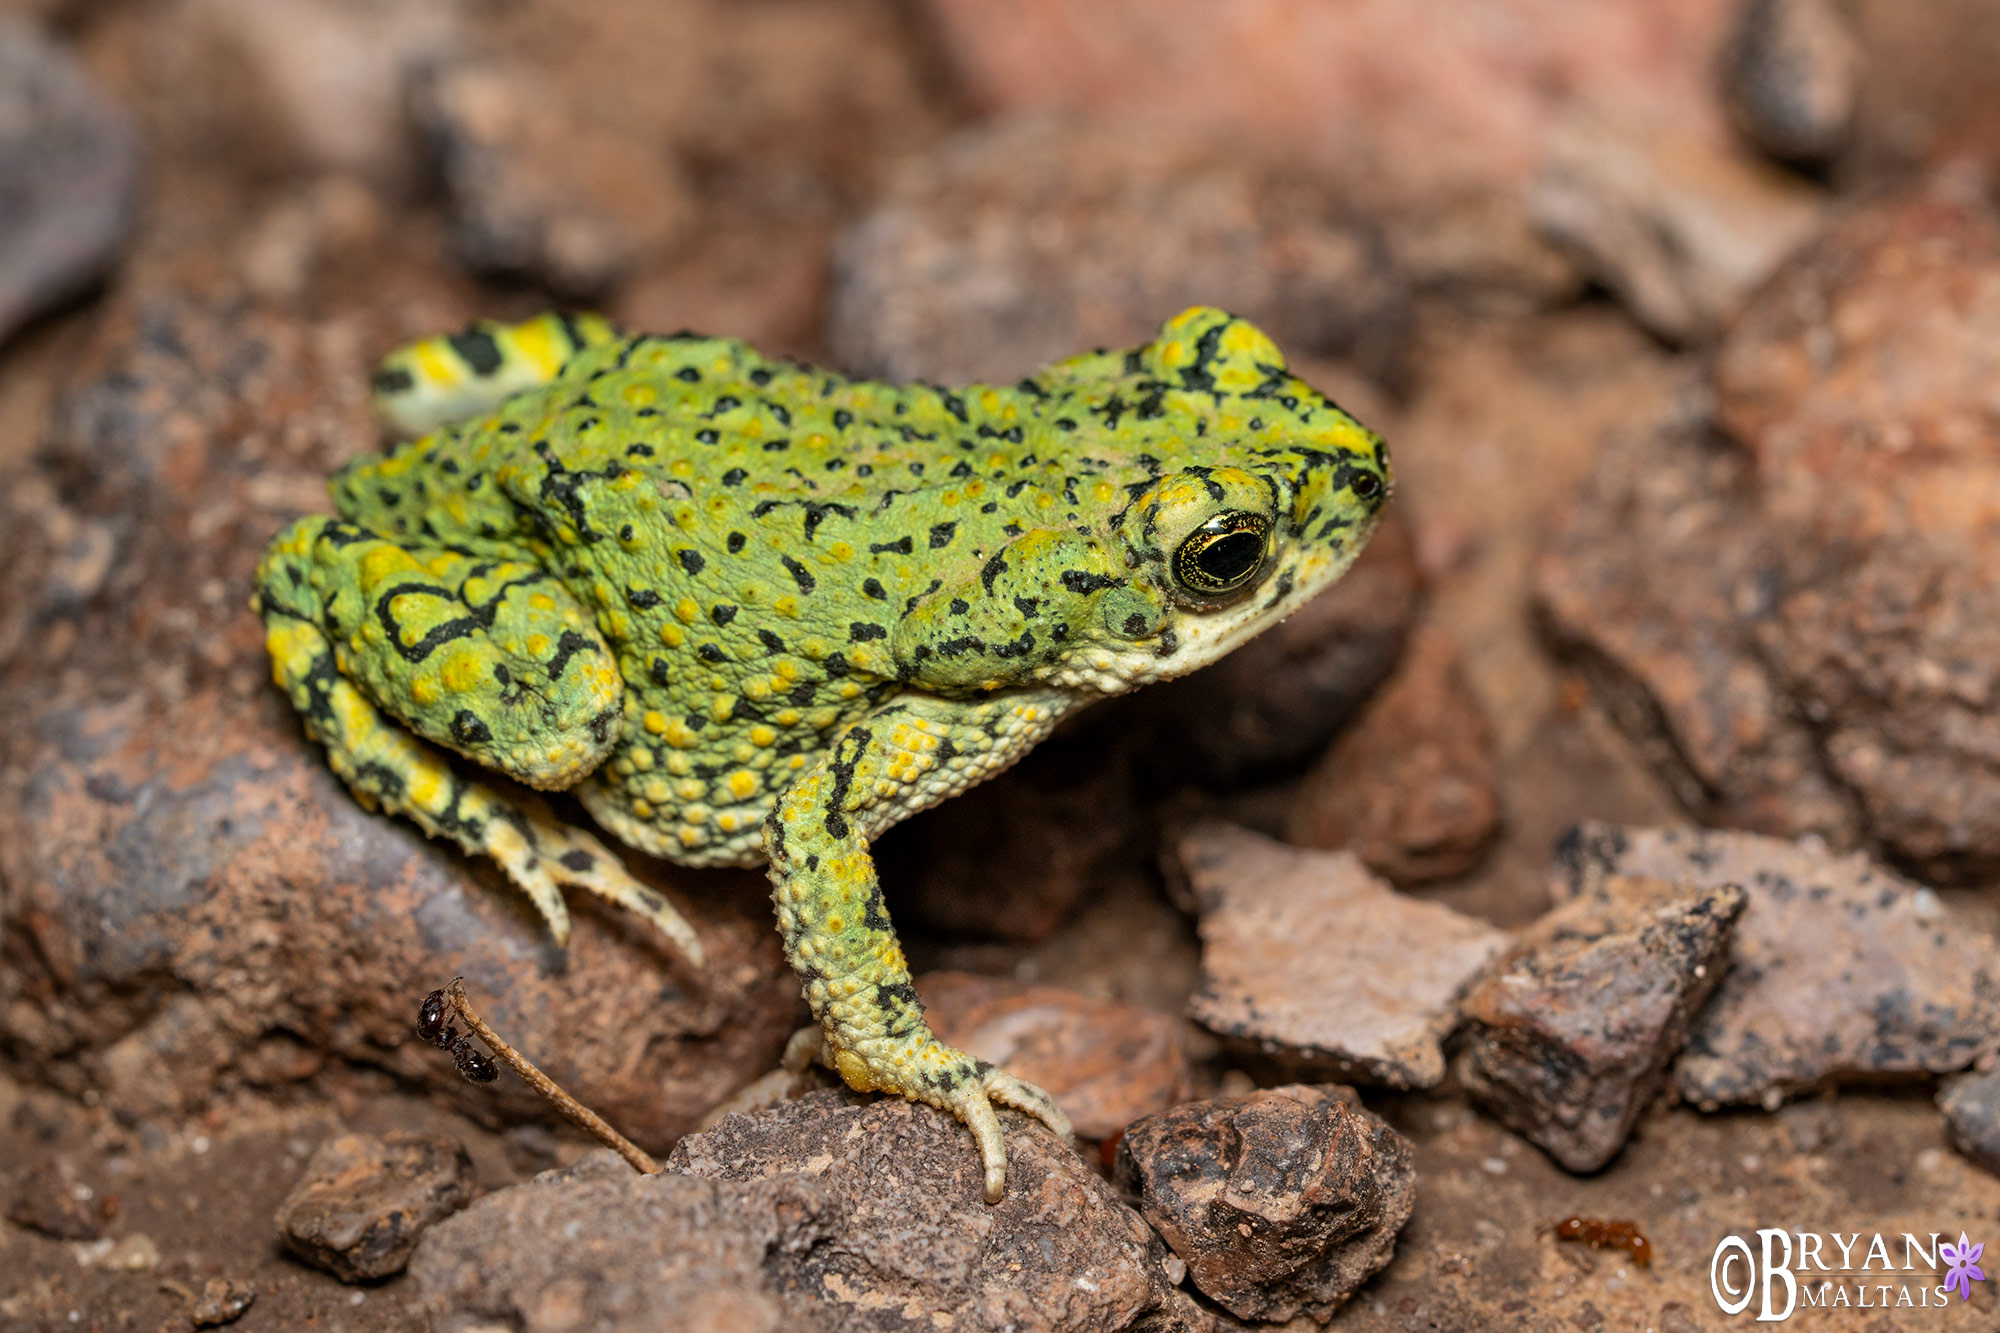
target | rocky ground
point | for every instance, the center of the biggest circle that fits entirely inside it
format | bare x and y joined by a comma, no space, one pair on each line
1616,842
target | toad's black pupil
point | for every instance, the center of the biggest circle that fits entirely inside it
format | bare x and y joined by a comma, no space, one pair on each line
1366,485
1231,556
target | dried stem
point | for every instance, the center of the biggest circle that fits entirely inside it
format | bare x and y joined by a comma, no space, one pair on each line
582,1116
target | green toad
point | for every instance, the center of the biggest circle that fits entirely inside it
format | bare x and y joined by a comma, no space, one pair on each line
747,609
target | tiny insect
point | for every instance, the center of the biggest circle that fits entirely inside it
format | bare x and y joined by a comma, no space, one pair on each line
433,1026
1600,1234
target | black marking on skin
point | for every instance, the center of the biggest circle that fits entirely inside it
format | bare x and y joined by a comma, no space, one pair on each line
941,535
571,331
709,652
772,643
873,588
643,598
469,729
842,418
1083,582
726,403
659,672
1020,647
781,412
1170,643
691,561
1028,606
962,471
842,762
836,665
639,450
569,645
776,446
722,613
687,374
734,477
960,646
706,436
760,377
1135,626
392,380
801,694
812,862
901,546
477,349
735,542
388,497
953,404
959,606
1282,589
992,570
800,574
861,632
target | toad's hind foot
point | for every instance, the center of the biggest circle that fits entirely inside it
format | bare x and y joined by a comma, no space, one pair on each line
924,1069
539,852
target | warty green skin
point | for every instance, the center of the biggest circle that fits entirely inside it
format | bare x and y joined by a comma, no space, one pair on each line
825,603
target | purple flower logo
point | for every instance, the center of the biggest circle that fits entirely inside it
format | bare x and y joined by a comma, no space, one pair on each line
1963,1265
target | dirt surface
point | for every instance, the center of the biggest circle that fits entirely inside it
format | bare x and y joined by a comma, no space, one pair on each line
1686,365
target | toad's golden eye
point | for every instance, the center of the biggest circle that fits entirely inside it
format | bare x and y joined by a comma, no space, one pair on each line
1223,555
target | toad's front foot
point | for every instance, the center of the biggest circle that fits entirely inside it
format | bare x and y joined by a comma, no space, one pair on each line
924,1069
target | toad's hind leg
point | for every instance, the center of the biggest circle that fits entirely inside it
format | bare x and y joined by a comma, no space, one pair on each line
437,381
362,634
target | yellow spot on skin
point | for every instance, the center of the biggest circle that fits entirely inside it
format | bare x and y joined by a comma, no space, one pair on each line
762,735
742,784
679,735
538,645
655,722
640,394
541,601
672,635
687,610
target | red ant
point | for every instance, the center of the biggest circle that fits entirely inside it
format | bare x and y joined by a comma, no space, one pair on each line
434,1027
1599,1234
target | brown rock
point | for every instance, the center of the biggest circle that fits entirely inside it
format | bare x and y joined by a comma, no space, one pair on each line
1433,125
364,1202
1791,77
185,881
1282,1202
1971,1107
222,1301
50,1198
1412,788
1016,245
1273,704
1842,970
537,189
1312,960
599,1246
69,172
913,1234
1824,657
1679,227
1105,1063
1572,1027
1674,658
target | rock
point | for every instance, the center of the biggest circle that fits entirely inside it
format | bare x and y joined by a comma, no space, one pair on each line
1105,1063
1842,969
1971,1106
1791,77
1571,1029
1679,228
1272,705
599,1246
1826,656
1282,1202
539,190
277,89
1311,960
1058,1252
222,1301
1412,787
1011,858
364,1202
1432,125
190,896
1675,659
50,1198
1016,245
69,176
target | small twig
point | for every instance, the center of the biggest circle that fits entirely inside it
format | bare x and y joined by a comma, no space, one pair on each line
580,1115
